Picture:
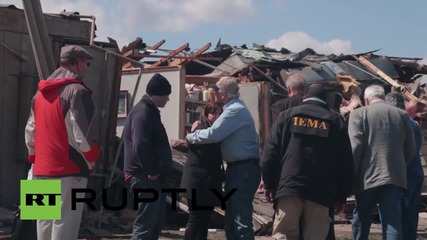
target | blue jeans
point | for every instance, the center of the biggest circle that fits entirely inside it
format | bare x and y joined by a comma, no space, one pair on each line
411,201
389,199
238,215
151,215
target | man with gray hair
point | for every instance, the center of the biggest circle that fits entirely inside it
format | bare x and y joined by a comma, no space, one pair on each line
235,130
383,143
296,86
411,199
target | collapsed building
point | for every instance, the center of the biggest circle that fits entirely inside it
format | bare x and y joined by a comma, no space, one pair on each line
266,70
118,85
260,64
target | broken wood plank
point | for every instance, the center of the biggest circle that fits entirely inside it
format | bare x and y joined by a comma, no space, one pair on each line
113,41
127,51
157,45
132,45
269,78
201,79
213,67
170,55
195,54
131,54
384,76
189,58
134,53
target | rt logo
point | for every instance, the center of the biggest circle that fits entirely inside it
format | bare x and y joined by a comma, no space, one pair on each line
40,199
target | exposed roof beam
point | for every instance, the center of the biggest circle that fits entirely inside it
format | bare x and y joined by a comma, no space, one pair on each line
131,53
189,58
195,54
171,54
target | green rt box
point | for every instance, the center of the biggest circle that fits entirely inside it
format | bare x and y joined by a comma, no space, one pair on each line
40,200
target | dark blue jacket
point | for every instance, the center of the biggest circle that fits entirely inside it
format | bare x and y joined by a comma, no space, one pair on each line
146,145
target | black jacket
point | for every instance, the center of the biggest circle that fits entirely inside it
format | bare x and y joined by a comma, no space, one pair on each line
146,145
203,171
308,155
284,104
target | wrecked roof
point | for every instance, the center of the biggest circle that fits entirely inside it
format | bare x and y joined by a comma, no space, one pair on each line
318,67
261,63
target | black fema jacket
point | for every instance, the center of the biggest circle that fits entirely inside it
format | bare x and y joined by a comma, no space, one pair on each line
146,145
308,155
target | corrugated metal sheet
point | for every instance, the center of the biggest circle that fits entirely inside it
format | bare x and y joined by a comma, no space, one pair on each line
382,63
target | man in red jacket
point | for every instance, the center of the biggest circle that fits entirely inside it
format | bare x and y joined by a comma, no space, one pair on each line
61,137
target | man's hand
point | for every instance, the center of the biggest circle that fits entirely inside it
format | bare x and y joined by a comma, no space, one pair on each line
153,177
268,193
338,208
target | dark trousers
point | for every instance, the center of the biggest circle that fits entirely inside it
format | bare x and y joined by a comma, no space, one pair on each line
24,229
151,215
331,233
411,201
197,225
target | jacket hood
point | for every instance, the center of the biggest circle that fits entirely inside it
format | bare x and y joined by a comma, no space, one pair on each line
48,85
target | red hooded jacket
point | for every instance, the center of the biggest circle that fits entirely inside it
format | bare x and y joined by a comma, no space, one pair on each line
60,132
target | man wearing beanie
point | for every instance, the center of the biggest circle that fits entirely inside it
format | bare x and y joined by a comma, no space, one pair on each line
235,130
307,167
148,157
61,138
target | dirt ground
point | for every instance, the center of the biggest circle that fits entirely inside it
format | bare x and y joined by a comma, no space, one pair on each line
342,231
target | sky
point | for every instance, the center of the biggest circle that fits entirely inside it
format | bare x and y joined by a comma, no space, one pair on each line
398,28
